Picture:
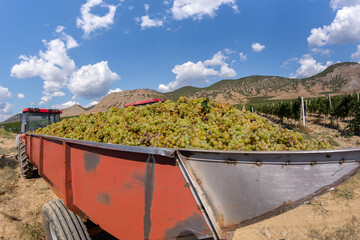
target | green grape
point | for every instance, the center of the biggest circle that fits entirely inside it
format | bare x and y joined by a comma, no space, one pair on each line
183,124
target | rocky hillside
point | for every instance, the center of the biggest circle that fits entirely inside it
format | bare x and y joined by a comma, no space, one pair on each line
336,79
73,111
119,99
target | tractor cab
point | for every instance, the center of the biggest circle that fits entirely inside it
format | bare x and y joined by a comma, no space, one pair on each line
34,118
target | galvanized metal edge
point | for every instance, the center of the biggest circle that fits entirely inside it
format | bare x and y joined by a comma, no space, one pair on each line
167,152
202,206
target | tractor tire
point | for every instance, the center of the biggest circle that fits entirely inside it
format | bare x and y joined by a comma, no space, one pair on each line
26,166
62,224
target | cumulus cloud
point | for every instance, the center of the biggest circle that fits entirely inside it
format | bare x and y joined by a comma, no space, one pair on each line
147,22
289,61
114,90
92,81
188,74
243,57
58,70
345,28
191,73
146,6
20,96
90,104
54,66
257,47
64,105
5,111
309,67
197,9
337,4
4,93
356,55
89,22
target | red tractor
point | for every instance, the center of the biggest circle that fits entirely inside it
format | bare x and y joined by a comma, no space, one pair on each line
32,119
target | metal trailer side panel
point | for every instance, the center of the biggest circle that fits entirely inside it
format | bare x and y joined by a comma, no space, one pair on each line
241,188
131,195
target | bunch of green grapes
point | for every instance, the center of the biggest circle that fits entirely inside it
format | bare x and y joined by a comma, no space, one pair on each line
195,124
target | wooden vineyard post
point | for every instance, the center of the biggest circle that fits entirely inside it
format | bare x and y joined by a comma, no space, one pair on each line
357,96
302,112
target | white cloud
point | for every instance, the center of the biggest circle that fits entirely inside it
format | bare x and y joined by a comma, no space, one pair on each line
191,73
187,74
226,72
92,81
229,51
59,29
90,104
64,105
4,93
146,6
114,90
345,28
337,4
54,66
197,9
146,22
5,111
289,61
90,22
257,47
20,96
243,57
356,55
309,67
321,51
217,60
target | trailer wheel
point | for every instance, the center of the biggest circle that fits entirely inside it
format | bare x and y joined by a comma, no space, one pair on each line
62,224
26,167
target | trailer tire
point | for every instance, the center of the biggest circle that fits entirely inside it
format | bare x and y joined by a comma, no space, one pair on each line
62,224
26,166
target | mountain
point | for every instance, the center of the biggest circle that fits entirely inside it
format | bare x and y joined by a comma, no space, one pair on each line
73,111
119,99
15,118
336,79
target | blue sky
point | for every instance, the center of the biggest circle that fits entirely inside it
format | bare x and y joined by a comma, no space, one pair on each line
60,52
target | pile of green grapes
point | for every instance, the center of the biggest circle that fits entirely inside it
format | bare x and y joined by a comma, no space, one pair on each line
196,124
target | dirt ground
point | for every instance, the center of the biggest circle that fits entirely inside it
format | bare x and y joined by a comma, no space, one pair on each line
335,215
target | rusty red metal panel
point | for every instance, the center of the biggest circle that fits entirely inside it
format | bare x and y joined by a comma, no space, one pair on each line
174,212
53,167
109,187
36,142
131,197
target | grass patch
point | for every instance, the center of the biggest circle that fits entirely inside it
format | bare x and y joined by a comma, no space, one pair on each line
349,231
346,190
33,231
333,142
319,208
9,180
5,134
8,175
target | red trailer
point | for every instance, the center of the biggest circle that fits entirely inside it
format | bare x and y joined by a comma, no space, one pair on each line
158,193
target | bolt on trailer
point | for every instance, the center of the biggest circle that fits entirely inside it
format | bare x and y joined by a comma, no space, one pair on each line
136,192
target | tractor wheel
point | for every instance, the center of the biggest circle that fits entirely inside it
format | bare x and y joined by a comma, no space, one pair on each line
61,223
26,166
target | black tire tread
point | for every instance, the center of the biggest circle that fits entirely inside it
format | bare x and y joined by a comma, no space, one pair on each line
69,225
26,167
